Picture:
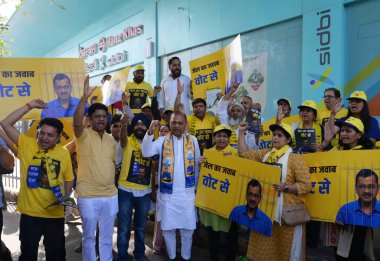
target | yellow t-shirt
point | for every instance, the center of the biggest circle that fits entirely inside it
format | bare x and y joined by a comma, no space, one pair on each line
33,201
226,149
96,165
324,115
139,94
203,129
135,170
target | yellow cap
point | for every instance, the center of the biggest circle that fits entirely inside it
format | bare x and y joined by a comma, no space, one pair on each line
358,95
285,100
351,122
146,105
309,104
223,127
284,127
168,110
139,67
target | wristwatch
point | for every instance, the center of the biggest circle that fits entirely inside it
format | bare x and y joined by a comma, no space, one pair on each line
286,188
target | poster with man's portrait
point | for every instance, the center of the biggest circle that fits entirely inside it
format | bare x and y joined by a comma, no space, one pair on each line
239,189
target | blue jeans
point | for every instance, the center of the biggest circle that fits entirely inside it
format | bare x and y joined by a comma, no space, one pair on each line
127,202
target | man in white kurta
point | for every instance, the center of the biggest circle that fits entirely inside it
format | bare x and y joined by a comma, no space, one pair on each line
177,209
169,88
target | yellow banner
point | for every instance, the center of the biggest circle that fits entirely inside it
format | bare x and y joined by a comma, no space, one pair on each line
207,74
25,79
213,73
113,89
222,186
67,134
344,187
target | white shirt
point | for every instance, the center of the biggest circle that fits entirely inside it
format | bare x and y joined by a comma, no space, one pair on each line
181,203
169,93
119,154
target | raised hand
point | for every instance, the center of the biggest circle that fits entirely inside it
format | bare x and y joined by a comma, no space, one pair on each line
243,126
87,90
38,104
234,87
281,113
328,135
338,106
125,98
154,125
124,120
180,86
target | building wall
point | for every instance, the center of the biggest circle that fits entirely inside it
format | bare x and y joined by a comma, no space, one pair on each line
307,45
131,14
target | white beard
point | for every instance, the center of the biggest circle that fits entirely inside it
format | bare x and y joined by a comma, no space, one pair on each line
233,122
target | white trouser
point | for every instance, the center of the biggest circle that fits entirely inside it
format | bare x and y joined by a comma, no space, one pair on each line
186,242
95,211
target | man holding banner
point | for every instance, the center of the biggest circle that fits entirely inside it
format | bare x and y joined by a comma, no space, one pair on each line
177,177
46,176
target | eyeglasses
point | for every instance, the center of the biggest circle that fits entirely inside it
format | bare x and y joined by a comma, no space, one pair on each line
328,97
370,186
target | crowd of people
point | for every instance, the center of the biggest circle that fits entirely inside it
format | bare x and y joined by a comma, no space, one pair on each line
152,151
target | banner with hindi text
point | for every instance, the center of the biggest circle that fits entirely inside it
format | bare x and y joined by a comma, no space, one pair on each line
215,72
222,186
25,79
345,187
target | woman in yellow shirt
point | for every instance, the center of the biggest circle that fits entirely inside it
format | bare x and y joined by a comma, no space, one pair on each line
216,224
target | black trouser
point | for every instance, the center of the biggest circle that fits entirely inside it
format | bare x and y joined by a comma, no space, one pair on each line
313,229
31,230
232,243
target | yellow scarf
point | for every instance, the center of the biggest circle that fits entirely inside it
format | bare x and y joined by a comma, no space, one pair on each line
167,165
338,147
35,171
234,137
275,155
